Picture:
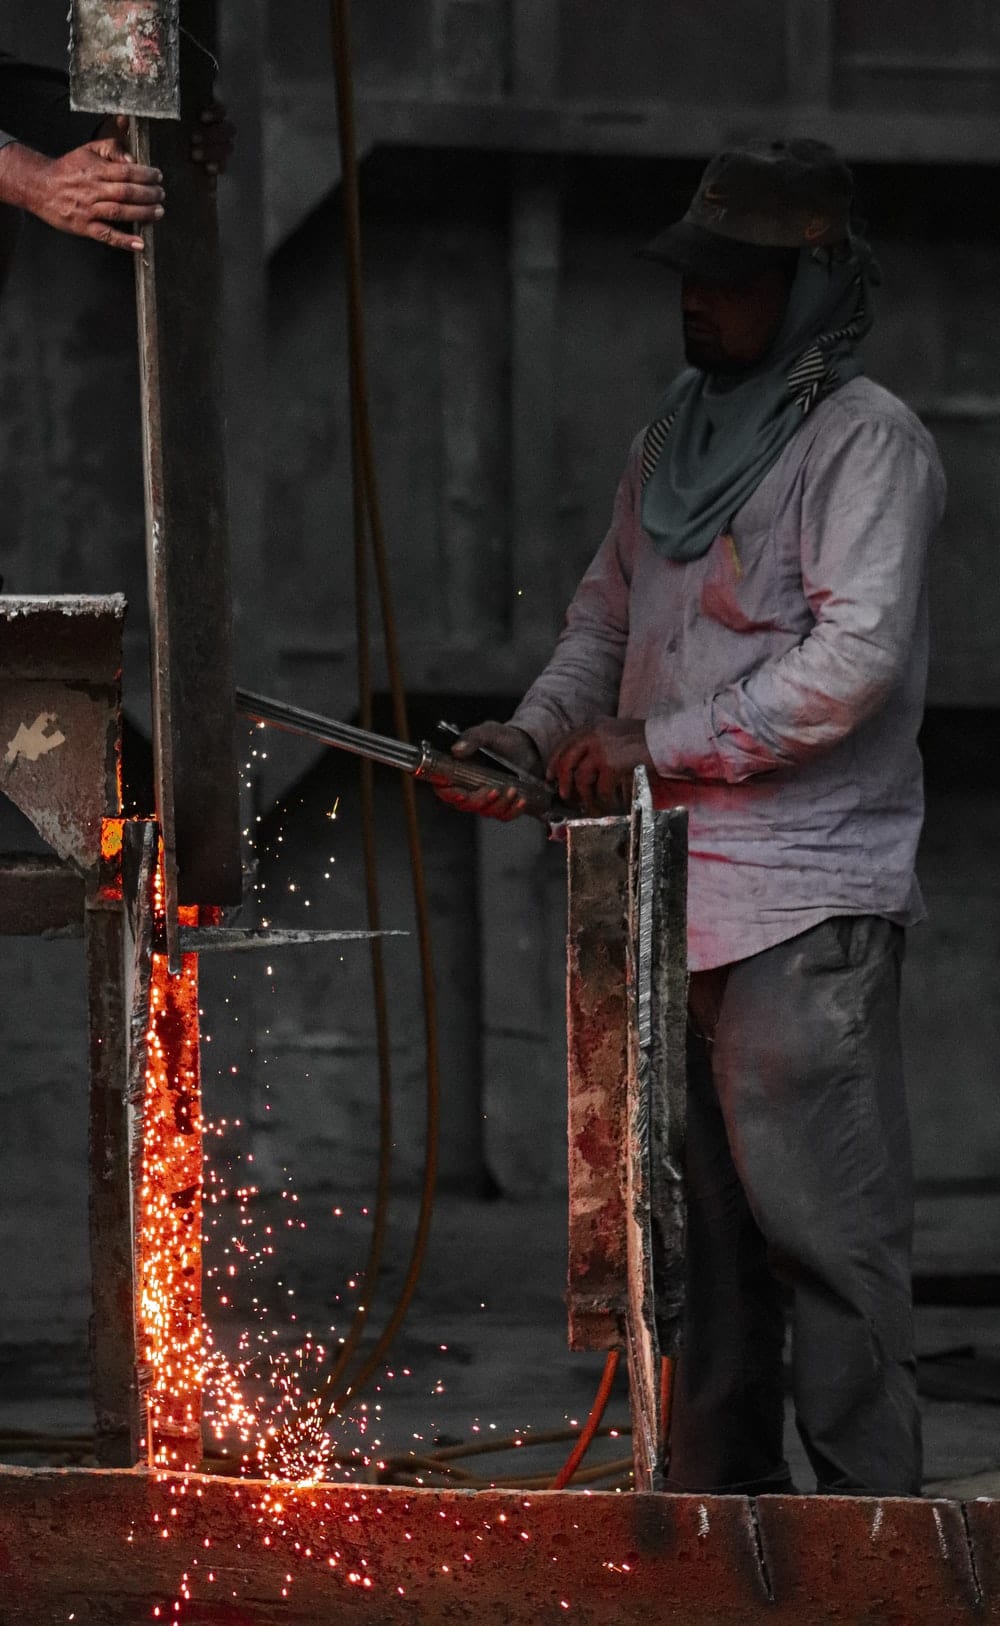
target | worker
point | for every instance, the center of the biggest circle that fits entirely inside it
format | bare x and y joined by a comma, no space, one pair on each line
753,631
76,175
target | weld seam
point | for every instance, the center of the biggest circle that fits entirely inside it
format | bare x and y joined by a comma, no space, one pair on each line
970,1543
758,1542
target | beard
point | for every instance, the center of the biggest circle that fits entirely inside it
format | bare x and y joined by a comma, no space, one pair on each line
703,350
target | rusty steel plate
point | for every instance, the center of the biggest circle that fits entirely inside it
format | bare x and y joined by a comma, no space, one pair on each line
117,1547
125,57
597,1041
895,1561
60,699
74,637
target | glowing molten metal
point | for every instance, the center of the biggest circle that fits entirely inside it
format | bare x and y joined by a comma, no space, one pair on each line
168,1223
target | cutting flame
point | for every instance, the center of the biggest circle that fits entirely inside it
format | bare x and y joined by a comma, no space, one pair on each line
184,1378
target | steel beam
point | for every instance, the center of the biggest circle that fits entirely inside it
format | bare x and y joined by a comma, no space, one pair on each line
91,1546
179,295
627,1024
656,1112
242,940
112,1327
119,919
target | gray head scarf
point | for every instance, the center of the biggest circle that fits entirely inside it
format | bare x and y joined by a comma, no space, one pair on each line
713,439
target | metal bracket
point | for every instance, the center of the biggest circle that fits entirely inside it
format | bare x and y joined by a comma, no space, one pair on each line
238,940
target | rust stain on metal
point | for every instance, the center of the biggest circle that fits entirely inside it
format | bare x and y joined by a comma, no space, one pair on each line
125,57
597,1143
892,1560
597,1018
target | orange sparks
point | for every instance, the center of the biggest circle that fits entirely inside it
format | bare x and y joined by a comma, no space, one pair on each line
171,1338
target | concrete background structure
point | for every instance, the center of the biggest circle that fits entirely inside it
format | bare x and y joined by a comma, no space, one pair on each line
517,153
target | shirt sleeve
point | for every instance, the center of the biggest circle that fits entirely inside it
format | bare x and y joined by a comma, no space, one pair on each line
872,498
34,109
582,680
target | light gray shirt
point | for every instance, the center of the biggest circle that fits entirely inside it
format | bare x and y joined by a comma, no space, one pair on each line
781,677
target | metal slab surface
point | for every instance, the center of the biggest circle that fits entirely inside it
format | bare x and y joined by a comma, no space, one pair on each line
125,57
109,1548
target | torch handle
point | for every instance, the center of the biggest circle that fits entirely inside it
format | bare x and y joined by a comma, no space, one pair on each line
441,768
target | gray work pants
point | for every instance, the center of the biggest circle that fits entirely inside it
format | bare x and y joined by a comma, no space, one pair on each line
800,1193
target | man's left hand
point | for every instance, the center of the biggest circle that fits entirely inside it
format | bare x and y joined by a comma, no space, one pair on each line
595,764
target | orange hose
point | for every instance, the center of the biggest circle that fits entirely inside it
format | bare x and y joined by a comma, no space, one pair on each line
592,1424
666,1399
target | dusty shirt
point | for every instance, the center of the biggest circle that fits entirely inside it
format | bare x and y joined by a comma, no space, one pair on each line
34,108
781,676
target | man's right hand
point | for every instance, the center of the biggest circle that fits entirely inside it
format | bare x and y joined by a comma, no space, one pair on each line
89,192
507,741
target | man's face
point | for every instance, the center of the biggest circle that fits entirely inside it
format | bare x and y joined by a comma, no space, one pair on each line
727,330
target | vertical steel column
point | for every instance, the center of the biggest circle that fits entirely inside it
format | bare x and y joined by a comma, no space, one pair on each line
656,1113
179,290
112,1326
179,294
627,1013
155,60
